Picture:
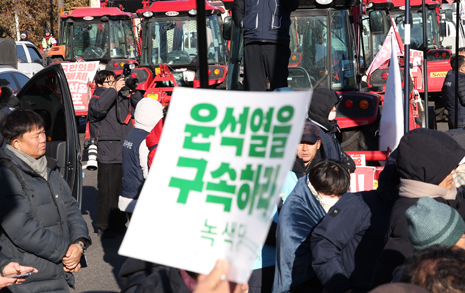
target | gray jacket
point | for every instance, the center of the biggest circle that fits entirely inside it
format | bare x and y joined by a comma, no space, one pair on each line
39,220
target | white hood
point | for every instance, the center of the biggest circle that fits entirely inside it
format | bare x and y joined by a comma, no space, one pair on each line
148,113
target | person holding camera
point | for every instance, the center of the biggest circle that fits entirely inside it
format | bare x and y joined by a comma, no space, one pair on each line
111,119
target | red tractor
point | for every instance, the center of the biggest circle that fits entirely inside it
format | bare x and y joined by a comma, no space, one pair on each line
437,58
169,46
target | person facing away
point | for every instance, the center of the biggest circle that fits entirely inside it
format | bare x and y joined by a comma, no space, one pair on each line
112,112
426,161
266,41
448,93
41,221
322,112
430,222
307,204
347,242
48,41
438,269
135,152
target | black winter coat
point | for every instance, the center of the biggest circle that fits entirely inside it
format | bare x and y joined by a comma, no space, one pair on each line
347,242
4,260
140,276
265,20
398,247
39,222
448,98
111,132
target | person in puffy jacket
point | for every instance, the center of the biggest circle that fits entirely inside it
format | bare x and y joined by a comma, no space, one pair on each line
426,162
266,41
41,222
135,153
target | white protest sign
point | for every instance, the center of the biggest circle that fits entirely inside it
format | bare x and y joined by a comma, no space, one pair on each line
215,180
78,74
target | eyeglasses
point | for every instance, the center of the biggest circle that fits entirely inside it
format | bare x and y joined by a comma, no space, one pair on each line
110,82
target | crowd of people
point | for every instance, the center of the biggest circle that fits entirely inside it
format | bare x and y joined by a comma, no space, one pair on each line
408,235
407,232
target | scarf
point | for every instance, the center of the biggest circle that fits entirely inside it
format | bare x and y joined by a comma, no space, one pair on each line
416,189
299,168
325,202
38,165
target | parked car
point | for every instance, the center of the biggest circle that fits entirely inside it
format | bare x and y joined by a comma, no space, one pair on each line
48,94
15,79
30,60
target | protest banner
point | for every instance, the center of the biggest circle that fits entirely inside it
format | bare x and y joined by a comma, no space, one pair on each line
216,178
78,75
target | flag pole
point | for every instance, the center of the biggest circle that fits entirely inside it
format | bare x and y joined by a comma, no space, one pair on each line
406,66
456,70
425,63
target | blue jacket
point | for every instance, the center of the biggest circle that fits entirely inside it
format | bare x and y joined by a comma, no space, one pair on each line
299,215
265,20
448,98
133,178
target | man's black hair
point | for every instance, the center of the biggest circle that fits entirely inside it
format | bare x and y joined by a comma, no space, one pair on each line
438,268
18,122
462,50
102,75
329,177
461,61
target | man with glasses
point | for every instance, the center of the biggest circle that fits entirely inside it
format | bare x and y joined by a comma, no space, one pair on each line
110,120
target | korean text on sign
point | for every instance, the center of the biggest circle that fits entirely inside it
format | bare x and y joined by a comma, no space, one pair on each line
78,75
215,179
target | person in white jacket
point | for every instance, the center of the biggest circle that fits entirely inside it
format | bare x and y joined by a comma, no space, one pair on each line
135,152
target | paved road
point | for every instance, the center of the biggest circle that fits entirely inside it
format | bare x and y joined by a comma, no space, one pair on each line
103,260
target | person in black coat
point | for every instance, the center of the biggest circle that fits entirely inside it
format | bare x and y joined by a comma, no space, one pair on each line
266,41
448,93
347,242
110,118
41,222
322,112
426,161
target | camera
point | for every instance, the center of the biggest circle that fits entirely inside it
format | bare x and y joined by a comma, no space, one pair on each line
91,146
131,81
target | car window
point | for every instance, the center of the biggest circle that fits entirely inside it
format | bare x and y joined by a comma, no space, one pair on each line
44,96
21,54
7,79
34,54
20,78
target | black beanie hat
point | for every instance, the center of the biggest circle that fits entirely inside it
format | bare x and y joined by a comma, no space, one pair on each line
427,155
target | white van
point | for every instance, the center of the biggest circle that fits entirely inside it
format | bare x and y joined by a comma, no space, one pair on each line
30,60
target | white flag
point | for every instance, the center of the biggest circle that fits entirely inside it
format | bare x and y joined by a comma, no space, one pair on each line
391,127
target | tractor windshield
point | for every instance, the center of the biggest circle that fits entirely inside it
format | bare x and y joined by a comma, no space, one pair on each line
416,31
323,53
90,40
122,43
174,42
